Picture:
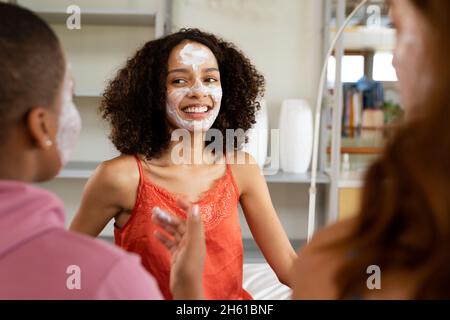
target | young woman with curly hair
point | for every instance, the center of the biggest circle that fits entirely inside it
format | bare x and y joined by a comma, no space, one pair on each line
193,81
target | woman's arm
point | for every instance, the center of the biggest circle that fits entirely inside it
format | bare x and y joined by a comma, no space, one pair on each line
263,220
111,190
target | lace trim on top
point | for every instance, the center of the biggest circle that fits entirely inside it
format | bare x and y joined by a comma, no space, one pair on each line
214,203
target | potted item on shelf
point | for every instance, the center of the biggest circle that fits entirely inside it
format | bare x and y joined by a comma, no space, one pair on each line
296,136
392,112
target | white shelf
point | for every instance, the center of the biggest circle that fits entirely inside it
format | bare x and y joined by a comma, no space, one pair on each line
351,179
284,177
123,18
78,170
84,169
362,38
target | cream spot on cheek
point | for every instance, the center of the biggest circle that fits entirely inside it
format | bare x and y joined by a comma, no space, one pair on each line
176,96
174,99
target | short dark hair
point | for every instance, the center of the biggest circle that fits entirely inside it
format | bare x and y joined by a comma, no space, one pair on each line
134,102
31,64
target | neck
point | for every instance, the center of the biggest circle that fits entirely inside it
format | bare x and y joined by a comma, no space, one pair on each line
187,149
15,166
16,163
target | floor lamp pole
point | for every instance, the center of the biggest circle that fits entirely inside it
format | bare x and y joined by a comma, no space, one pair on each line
313,187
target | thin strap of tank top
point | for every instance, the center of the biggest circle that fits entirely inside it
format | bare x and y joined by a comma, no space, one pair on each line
229,174
139,164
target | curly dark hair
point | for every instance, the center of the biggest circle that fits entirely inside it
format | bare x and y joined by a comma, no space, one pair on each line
134,102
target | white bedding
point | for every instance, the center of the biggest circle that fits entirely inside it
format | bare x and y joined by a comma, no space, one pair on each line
262,283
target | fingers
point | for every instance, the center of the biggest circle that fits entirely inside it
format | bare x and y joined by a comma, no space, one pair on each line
183,203
189,234
170,223
162,215
195,232
170,244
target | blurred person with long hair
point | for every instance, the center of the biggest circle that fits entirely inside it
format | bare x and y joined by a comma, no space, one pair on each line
403,225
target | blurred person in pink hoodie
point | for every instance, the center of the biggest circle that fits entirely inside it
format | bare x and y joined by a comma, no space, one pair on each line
39,125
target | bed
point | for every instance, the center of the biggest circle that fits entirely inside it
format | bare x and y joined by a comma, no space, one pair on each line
262,283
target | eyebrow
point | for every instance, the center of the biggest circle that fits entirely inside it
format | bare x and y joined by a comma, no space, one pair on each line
211,70
184,70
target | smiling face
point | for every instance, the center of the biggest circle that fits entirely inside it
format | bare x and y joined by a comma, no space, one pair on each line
194,92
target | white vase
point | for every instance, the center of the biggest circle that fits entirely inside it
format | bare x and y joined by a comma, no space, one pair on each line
296,136
258,136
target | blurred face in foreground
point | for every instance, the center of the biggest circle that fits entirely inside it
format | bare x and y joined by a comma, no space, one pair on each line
412,58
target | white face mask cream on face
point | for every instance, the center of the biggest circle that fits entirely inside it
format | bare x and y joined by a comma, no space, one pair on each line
69,122
177,95
194,57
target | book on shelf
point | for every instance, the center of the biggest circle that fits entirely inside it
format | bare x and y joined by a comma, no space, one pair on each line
362,108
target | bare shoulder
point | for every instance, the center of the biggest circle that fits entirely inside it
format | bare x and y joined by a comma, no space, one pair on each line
330,235
110,190
242,163
318,262
117,173
245,169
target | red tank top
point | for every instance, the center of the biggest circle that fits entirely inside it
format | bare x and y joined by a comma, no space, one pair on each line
224,250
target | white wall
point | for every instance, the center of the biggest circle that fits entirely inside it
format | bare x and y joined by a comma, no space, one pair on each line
283,39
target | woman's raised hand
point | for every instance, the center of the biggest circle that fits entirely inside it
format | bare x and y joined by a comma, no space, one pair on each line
186,242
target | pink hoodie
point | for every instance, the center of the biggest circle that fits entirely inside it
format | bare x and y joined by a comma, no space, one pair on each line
39,259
